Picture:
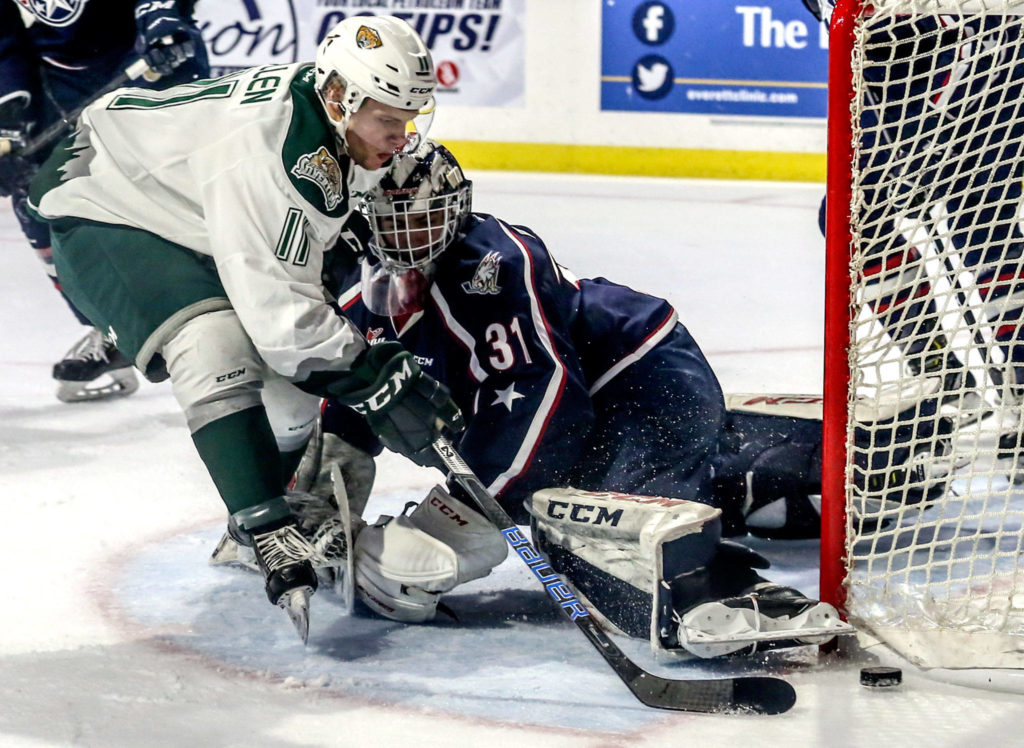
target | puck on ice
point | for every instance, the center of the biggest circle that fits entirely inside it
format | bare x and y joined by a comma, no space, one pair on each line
881,677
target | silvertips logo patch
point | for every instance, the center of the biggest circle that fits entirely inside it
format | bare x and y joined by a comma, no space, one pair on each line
367,38
323,170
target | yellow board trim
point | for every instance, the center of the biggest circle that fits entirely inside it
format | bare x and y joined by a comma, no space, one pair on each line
646,162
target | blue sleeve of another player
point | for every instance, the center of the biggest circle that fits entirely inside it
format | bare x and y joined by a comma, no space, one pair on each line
18,65
530,412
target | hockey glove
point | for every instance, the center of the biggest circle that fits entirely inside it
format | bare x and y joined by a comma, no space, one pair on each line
15,174
404,407
15,124
166,40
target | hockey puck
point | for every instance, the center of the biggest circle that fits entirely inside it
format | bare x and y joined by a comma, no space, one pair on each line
881,677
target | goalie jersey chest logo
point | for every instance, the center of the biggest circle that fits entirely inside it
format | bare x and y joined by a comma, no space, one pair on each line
485,279
54,12
323,170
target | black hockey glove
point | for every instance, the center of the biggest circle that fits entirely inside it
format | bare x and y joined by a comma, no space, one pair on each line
166,40
406,408
15,124
15,174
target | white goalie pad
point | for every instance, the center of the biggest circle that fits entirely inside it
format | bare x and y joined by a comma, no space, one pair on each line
891,401
404,563
618,550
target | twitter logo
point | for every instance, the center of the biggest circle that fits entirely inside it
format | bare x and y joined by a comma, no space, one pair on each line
652,77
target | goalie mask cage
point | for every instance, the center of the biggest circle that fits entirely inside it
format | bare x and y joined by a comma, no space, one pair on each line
922,519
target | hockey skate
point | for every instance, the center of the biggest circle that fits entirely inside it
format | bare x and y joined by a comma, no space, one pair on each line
769,616
325,523
283,555
319,520
94,369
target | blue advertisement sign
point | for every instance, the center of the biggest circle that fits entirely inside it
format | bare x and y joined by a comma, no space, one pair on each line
726,57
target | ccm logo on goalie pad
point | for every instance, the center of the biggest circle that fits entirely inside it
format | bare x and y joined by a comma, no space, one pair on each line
392,387
583,513
558,589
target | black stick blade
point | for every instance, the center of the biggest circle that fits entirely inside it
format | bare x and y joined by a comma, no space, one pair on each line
759,695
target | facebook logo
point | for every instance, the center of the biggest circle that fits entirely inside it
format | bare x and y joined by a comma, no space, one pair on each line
653,23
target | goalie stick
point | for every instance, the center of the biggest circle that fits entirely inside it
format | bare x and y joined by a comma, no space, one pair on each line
752,695
66,123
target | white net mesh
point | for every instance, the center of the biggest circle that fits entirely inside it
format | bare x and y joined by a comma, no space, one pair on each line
934,541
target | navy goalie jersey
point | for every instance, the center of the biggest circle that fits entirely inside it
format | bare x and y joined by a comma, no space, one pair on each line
522,345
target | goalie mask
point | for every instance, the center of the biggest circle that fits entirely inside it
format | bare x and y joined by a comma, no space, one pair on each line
380,58
415,212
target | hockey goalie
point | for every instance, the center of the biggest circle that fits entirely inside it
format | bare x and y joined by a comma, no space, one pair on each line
591,415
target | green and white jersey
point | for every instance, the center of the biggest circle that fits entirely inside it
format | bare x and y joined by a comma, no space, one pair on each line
243,169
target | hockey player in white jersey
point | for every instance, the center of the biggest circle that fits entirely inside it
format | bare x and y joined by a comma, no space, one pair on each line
191,224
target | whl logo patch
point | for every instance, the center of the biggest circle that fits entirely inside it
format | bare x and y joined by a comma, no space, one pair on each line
323,170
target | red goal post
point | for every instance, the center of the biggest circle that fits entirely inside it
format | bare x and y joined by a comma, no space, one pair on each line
934,569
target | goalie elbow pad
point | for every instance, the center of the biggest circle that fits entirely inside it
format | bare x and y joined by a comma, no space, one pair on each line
403,564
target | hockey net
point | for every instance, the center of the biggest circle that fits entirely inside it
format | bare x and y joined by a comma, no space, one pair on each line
922,517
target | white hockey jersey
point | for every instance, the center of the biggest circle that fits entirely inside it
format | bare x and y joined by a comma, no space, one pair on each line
243,169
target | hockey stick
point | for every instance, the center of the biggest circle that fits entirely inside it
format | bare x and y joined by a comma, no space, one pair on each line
752,695
65,124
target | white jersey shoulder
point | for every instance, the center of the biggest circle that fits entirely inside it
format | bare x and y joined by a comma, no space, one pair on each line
242,168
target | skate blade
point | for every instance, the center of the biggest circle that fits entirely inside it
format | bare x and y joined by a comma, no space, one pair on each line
230,553
296,605
118,383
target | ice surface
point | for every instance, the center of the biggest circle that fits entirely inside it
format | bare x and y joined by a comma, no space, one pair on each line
115,632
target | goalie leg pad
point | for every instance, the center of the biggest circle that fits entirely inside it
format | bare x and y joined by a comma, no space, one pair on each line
325,451
623,552
404,563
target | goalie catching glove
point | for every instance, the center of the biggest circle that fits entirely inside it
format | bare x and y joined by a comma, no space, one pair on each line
404,407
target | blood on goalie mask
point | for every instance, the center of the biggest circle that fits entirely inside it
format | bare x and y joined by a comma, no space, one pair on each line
380,58
414,212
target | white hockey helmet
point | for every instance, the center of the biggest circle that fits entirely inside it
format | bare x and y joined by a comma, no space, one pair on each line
416,209
375,57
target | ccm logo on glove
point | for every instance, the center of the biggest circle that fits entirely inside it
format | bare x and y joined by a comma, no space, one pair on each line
382,397
447,511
